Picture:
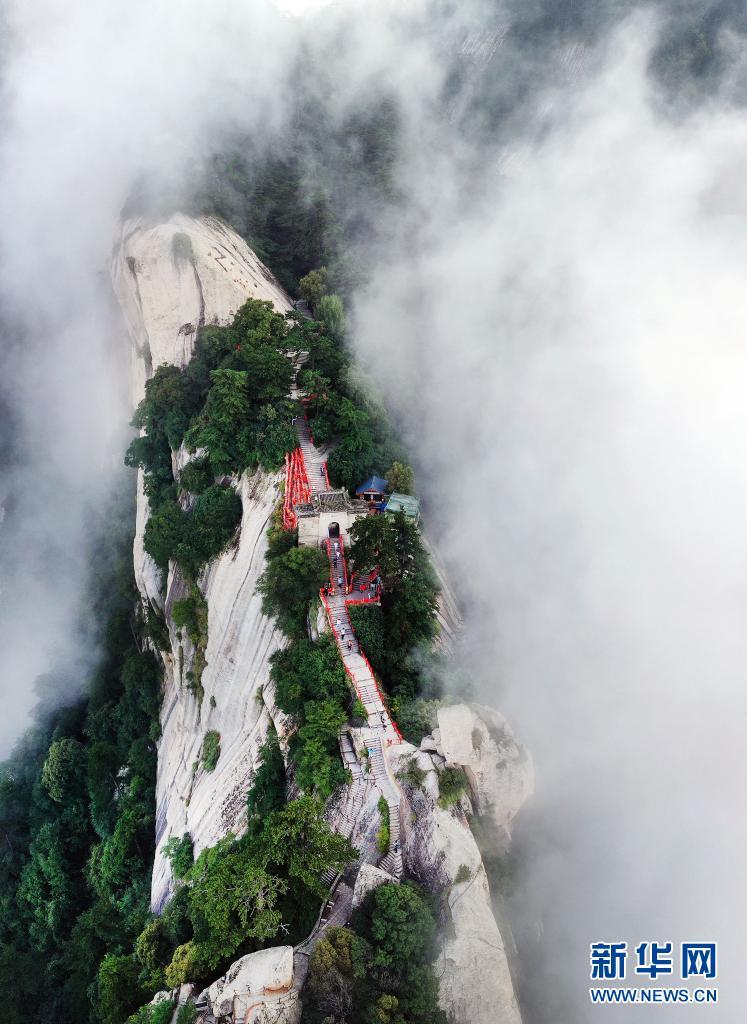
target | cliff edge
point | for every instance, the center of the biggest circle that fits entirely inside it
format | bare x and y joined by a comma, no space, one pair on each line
172,278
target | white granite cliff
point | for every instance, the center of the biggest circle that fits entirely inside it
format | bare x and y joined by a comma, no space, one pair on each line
440,850
167,288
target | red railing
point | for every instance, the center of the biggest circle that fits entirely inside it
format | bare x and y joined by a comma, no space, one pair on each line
297,487
361,590
369,666
297,491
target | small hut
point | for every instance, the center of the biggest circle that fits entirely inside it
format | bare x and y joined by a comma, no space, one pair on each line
372,490
404,503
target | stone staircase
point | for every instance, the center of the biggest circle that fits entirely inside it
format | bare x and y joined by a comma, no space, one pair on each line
381,730
312,457
392,861
335,913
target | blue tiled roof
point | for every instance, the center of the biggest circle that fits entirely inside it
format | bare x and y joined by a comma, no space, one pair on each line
374,483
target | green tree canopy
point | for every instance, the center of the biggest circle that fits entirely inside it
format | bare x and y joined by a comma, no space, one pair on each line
314,285
181,854
331,312
289,584
233,896
268,787
402,926
119,989
63,768
410,591
401,478
299,840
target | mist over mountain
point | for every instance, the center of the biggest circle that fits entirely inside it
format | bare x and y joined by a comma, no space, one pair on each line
533,211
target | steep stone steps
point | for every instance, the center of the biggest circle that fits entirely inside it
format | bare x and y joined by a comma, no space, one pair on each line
380,727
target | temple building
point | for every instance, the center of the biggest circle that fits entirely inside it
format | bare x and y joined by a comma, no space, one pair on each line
328,514
373,490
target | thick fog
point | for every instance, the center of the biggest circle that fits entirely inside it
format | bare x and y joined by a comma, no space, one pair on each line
555,310
97,99
567,345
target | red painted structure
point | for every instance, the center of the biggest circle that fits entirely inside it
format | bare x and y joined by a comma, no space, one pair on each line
330,617
297,487
298,491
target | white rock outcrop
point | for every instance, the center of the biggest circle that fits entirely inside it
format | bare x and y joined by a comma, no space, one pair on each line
447,608
475,983
168,288
369,877
241,640
164,996
258,979
499,769
171,278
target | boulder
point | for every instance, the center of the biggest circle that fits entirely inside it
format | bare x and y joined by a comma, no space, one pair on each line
369,878
164,996
428,745
437,845
268,972
499,769
186,992
318,623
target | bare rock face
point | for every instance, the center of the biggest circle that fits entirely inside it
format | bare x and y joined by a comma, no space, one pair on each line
369,878
475,984
447,609
147,573
499,770
164,996
259,981
241,640
171,278
318,623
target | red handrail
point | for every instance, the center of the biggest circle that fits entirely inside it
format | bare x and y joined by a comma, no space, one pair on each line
297,487
297,490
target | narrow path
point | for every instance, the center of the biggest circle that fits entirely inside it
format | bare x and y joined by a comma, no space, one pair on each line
381,731
306,471
316,464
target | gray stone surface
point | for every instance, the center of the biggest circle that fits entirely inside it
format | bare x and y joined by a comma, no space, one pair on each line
164,299
369,878
475,983
266,973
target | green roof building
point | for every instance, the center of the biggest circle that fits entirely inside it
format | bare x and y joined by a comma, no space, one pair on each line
404,503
